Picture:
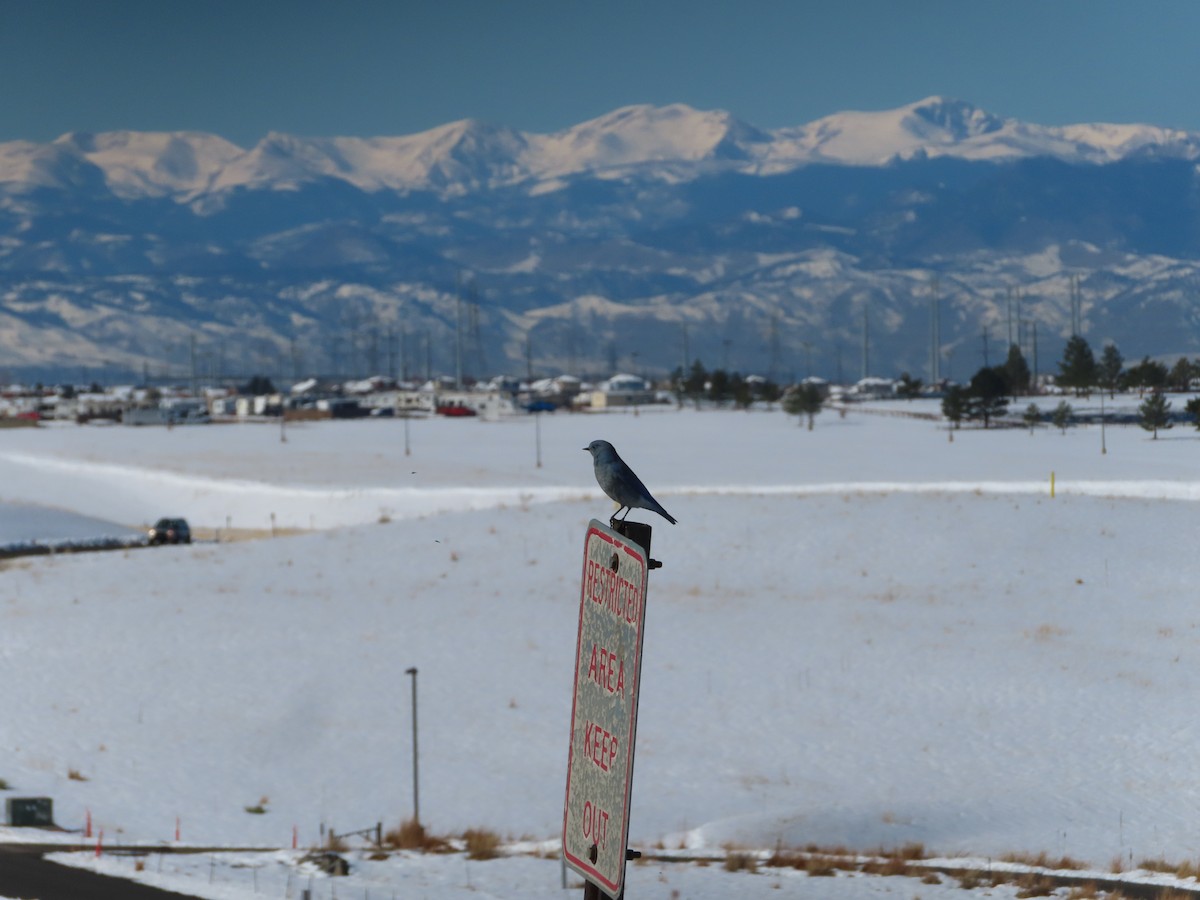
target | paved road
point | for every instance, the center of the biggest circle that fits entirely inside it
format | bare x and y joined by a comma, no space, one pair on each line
24,875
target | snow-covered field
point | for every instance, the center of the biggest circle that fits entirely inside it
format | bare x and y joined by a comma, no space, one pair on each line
862,635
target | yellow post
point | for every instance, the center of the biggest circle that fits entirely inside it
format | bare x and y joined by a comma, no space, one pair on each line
1051,485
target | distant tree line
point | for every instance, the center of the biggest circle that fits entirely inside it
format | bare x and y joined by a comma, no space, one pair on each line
722,388
987,395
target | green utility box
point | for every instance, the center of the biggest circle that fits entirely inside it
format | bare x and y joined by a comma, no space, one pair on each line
29,812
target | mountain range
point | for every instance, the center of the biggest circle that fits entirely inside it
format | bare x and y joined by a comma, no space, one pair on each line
643,239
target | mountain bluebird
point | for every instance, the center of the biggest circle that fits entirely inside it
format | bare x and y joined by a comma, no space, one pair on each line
618,481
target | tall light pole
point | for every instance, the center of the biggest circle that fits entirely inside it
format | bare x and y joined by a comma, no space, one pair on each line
416,784
537,425
1103,446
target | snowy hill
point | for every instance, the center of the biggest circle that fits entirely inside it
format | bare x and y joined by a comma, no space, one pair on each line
861,636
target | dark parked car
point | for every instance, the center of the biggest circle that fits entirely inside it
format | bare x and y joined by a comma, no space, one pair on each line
171,531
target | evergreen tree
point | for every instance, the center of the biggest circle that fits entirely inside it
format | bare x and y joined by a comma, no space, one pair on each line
1062,416
1154,413
1077,370
696,381
719,387
954,404
1032,416
1016,371
1147,375
908,387
768,392
1111,363
1192,408
1180,376
803,400
739,389
988,394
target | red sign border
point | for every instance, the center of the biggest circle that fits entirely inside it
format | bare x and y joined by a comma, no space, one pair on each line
583,866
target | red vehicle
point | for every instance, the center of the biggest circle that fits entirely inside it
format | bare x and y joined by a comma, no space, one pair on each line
455,411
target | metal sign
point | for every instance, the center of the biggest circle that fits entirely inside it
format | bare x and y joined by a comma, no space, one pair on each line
608,662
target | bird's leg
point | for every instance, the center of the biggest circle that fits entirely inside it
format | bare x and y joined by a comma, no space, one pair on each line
612,522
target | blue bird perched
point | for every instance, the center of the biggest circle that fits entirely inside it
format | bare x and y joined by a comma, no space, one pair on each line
618,481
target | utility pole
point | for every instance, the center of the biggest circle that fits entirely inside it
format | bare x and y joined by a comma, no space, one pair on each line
458,379
1035,353
935,336
866,339
195,376
1009,314
412,673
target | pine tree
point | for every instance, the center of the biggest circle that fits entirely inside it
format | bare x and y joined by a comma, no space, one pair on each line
719,387
1077,370
988,394
1062,416
1016,370
1111,363
954,404
740,389
909,388
1192,408
1180,376
1032,416
803,400
1147,375
697,378
1154,413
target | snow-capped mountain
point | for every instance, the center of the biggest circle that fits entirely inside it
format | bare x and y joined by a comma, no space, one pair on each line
648,229
469,155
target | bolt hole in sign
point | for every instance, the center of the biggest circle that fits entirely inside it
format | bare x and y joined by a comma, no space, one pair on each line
608,663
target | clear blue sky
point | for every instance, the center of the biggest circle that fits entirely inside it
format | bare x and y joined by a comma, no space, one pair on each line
246,67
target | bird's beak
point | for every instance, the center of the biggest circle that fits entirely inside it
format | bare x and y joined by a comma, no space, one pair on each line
585,448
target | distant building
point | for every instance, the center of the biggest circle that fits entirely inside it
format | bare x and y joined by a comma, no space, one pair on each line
622,390
873,389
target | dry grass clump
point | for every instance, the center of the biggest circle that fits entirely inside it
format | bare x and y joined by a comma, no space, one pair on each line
740,861
481,843
408,835
411,835
968,881
1034,885
1043,860
335,844
1185,869
813,864
895,861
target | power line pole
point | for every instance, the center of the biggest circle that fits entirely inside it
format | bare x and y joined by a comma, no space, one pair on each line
867,339
935,336
458,373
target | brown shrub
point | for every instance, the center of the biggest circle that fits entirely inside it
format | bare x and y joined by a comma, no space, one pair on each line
481,843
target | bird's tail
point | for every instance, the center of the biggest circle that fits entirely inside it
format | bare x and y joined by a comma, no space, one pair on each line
662,512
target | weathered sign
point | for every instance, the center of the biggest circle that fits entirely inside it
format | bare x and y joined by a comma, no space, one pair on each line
608,661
